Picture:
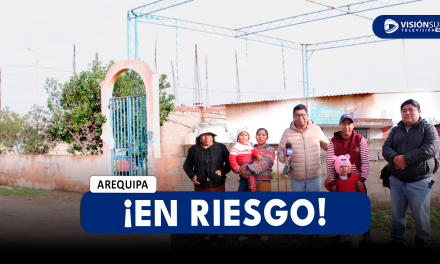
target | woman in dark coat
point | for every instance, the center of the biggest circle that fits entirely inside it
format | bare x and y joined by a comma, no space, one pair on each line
206,165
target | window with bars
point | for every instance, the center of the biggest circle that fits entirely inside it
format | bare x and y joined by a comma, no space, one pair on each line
361,131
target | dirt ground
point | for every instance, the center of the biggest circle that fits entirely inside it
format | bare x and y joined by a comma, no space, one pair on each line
52,220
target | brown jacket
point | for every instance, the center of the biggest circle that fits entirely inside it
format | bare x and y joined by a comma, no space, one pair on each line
306,159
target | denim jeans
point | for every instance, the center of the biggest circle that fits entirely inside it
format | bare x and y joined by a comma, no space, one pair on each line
307,185
243,184
417,195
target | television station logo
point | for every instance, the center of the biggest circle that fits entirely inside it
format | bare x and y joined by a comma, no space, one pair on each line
390,26
407,26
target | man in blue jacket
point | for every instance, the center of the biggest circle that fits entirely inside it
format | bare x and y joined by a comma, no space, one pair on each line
410,150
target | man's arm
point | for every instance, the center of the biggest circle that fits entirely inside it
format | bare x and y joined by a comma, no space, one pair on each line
427,150
323,141
281,146
331,164
365,160
388,152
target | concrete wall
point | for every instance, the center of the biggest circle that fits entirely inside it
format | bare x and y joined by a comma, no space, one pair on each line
375,133
46,172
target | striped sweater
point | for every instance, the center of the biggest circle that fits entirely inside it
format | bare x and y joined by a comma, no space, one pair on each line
356,151
263,169
241,153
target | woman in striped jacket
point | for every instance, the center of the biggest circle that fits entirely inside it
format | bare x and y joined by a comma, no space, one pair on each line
261,169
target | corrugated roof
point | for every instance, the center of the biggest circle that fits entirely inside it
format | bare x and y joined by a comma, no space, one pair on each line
317,96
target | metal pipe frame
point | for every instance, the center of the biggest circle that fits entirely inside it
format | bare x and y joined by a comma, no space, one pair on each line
142,14
158,6
205,28
323,14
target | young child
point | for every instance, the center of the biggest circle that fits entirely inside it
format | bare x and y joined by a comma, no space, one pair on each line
241,154
345,182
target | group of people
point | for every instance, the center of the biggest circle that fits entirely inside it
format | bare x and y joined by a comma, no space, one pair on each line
411,164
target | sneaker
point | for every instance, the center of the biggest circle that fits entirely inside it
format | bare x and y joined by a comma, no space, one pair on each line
204,242
394,244
242,238
264,238
222,239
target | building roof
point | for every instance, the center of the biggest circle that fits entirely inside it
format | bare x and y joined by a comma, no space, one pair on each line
300,97
322,96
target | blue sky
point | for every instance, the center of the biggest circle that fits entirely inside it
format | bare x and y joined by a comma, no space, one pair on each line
51,28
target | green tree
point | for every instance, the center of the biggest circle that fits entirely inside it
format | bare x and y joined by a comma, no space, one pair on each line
36,128
76,110
12,130
76,106
25,134
166,104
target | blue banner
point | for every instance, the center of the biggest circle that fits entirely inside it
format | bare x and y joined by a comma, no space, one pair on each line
226,213
408,26
322,114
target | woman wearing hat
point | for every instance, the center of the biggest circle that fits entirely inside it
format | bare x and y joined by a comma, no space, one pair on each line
207,165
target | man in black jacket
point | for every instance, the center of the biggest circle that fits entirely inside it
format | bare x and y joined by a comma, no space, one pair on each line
410,150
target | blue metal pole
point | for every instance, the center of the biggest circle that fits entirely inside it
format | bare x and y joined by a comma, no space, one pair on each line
138,148
307,70
304,58
112,128
130,135
128,35
136,55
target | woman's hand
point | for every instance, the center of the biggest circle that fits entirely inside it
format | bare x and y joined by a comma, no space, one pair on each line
218,172
259,157
194,180
236,170
244,174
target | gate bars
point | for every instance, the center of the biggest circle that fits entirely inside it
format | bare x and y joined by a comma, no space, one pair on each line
128,118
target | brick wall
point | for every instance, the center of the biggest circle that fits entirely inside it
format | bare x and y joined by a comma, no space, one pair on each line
182,121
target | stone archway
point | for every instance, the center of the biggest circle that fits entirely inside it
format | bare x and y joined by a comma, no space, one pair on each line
151,82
